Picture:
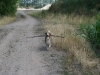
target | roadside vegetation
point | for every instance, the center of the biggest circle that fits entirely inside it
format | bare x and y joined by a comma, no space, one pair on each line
79,22
7,19
7,11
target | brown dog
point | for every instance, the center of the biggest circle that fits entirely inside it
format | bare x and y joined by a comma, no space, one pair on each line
48,38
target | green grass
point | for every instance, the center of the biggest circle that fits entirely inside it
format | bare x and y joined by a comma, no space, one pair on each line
92,33
66,73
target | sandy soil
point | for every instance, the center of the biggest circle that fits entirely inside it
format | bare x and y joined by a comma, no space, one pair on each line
27,56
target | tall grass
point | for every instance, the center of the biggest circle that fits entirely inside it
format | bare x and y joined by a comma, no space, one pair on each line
72,42
6,20
78,48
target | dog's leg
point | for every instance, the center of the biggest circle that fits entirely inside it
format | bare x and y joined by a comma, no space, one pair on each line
49,45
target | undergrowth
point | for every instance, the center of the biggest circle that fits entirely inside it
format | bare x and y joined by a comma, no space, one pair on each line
80,7
92,33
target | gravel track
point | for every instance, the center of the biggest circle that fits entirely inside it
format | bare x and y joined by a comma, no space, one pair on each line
26,56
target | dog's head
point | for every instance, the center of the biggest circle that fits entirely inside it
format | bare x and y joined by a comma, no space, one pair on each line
48,33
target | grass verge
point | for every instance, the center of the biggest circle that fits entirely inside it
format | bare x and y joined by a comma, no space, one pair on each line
80,56
6,19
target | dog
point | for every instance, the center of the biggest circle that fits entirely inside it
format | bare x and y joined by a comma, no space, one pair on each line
48,38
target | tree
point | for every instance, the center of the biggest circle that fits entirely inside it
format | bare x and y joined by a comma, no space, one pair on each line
7,7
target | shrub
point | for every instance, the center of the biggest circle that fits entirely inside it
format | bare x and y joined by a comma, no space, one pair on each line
56,7
7,7
92,33
76,6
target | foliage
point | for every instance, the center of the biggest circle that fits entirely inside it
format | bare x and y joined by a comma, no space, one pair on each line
56,7
92,33
7,7
76,6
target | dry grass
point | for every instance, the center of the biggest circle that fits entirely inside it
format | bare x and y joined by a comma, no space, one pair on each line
76,19
75,44
6,20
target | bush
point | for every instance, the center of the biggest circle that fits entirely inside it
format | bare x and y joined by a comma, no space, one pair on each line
75,6
92,33
56,7
7,7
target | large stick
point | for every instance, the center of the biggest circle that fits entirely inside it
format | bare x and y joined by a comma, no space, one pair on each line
44,35
58,36
36,36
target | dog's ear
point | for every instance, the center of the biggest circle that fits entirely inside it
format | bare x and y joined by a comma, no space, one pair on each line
50,34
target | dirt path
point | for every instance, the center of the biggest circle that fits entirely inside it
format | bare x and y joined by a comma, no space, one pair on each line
26,56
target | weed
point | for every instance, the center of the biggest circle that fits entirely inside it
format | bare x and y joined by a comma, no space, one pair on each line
92,33
66,73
